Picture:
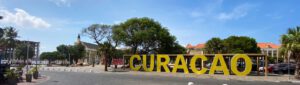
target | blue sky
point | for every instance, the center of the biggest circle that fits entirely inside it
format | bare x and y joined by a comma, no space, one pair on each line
55,22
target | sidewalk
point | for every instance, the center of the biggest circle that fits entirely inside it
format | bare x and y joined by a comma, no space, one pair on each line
96,69
100,69
34,81
280,78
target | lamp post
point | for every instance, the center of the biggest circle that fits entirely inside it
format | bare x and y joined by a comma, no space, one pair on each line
1,36
37,54
27,57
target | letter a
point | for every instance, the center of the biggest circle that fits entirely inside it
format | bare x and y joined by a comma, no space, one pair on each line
223,67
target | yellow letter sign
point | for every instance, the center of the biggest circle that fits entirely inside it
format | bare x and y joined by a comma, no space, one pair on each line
163,64
131,62
181,59
248,66
223,67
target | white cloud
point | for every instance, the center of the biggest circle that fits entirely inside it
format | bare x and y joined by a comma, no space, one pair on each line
238,12
22,18
61,3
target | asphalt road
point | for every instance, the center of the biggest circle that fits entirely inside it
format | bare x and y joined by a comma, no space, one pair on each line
77,78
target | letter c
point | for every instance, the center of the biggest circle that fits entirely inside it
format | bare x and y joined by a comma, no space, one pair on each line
136,68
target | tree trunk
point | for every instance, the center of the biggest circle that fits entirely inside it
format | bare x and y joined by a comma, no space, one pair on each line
105,62
24,62
76,61
297,71
286,55
49,62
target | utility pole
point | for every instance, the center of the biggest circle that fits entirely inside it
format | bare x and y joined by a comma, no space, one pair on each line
27,56
1,49
37,54
69,58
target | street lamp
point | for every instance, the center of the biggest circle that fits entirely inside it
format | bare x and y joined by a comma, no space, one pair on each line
27,56
1,17
37,55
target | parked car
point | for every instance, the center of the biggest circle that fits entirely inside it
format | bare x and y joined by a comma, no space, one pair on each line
271,67
261,66
284,68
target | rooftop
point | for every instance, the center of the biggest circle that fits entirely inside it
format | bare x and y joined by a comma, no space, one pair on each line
262,45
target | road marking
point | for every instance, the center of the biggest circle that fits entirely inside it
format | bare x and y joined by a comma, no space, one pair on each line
224,84
191,83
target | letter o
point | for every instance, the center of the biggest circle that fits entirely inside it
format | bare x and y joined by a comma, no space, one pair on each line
248,66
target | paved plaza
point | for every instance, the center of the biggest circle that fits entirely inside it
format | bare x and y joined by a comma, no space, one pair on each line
99,70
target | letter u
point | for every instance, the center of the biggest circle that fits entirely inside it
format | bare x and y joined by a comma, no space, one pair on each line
151,63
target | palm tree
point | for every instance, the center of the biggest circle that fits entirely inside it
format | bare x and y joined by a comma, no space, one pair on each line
291,42
1,32
1,36
9,39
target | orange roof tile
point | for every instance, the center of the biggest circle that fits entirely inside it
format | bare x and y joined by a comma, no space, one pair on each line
197,46
200,45
261,45
267,45
189,46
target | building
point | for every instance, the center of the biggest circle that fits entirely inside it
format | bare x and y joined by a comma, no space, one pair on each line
270,49
197,49
90,52
9,53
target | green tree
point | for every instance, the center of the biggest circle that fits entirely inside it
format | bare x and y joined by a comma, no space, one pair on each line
8,40
22,50
1,33
291,45
1,37
51,56
146,34
102,35
71,53
77,52
143,33
240,44
63,50
232,44
214,45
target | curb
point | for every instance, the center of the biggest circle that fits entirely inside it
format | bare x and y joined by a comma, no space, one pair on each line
296,82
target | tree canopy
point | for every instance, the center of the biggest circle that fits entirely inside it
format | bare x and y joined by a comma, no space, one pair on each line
75,52
9,37
51,56
214,45
148,35
22,49
137,33
291,47
232,44
241,44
